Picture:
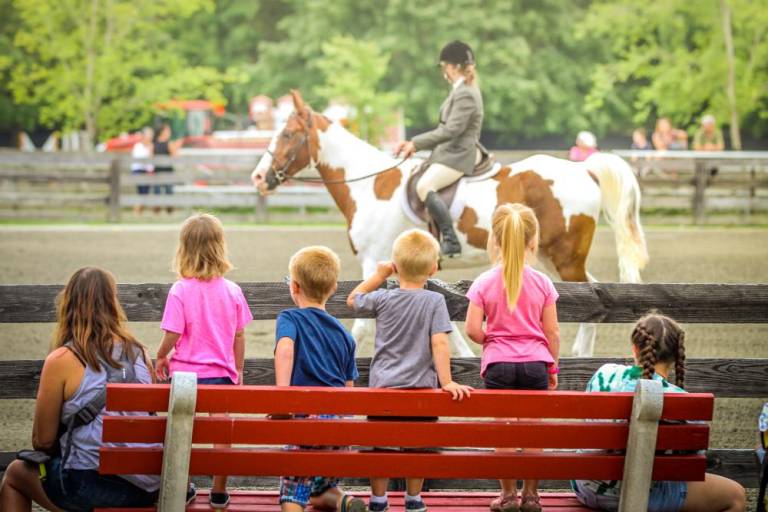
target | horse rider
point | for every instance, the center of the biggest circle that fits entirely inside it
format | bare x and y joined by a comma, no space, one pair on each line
453,142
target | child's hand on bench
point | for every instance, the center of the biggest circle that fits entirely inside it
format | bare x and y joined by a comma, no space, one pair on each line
457,391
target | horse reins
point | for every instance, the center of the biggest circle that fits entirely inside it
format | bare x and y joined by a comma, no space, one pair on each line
282,177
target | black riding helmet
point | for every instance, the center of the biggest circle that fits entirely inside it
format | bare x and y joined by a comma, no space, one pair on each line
457,52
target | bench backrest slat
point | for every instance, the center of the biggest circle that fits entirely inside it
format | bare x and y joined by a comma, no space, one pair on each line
489,434
387,402
547,465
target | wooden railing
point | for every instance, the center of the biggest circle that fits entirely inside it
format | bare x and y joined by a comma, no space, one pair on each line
73,180
579,302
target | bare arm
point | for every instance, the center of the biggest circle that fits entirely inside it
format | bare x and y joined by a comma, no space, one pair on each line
50,398
384,269
239,349
166,345
283,361
441,355
474,324
552,333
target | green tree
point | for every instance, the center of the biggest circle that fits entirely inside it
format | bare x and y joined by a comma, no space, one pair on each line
669,58
101,64
352,71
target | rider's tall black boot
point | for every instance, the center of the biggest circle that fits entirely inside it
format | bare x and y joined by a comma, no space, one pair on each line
450,246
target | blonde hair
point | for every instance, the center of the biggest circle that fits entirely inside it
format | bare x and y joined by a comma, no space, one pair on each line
415,253
470,74
202,251
316,270
514,227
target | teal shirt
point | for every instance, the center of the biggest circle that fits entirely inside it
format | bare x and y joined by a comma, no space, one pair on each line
618,378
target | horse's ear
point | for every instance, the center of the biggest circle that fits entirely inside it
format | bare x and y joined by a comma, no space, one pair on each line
298,103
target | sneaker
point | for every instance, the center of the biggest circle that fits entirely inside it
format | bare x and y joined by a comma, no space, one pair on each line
351,504
219,500
191,493
378,507
415,506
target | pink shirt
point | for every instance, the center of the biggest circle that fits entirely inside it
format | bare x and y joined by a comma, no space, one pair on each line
207,314
516,336
578,154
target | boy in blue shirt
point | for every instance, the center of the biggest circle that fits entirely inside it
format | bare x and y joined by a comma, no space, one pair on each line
314,349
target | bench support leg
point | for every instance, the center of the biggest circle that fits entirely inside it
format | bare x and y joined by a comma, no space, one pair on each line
641,445
178,442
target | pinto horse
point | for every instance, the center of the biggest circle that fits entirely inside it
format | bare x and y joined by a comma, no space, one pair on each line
566,196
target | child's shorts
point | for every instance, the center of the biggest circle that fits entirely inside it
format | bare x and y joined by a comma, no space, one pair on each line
530,375
665,496
298,489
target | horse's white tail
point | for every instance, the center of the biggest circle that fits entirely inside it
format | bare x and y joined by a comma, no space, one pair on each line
621,207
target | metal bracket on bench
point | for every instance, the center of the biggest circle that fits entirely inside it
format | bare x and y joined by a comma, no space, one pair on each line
641,445
178,442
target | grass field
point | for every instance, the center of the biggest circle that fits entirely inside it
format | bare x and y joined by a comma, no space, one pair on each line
136,253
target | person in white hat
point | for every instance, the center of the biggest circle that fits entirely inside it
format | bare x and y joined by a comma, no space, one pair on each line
586,144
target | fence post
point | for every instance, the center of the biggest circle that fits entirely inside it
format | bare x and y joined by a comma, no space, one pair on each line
178,442
700,183
641,445
114,190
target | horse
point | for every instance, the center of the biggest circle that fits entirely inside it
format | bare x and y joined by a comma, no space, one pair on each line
368,186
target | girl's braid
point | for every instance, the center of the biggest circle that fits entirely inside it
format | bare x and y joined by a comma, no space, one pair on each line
647,344
680,359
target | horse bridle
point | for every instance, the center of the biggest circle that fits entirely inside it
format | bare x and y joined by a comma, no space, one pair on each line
281,176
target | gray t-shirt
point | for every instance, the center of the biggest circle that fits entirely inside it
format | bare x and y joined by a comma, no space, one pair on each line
405,323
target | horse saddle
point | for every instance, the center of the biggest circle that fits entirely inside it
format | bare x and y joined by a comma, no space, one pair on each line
485,168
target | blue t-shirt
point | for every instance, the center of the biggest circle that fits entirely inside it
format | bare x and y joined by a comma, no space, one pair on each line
323,350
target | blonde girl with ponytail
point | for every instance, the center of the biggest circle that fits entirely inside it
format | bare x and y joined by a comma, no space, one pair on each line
521,336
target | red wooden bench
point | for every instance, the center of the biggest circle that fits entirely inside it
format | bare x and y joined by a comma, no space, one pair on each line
556,424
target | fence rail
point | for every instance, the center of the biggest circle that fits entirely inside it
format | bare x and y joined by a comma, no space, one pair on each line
578,302
677,180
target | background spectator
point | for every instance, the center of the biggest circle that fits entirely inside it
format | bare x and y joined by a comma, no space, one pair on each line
142,149
640,139
586,144
708,137
667,137
163,145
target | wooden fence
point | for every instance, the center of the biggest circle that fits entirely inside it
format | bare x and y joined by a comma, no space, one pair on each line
579,302
30,183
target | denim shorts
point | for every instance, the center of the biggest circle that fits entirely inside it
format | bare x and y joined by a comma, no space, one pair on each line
215,380
665,496
85,489
530,375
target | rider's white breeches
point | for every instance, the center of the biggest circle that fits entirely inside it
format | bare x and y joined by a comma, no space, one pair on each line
436,177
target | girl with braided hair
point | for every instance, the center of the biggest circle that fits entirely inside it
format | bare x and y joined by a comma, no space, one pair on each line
658,349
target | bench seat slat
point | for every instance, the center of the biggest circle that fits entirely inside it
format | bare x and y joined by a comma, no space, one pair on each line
266,501
387,402
456,464
486,434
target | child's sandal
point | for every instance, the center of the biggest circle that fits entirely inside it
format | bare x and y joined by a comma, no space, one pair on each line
505,504
530,503
351,504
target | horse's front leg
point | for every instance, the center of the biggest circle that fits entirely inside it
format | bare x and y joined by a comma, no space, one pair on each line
460,345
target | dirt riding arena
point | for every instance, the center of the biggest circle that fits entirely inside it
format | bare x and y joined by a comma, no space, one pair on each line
142,254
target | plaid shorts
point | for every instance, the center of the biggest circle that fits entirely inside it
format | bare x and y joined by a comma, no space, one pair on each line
298,489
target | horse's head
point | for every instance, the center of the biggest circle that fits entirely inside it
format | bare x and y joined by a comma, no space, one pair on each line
290,151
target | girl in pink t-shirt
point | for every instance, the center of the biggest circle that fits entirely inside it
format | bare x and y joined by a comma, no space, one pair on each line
521,338
204,317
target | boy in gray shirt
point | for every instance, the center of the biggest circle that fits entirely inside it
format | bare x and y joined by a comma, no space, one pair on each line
412,326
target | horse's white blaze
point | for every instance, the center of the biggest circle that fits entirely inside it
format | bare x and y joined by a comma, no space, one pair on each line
571,185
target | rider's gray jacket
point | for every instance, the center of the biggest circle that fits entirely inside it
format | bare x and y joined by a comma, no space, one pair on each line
453,141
